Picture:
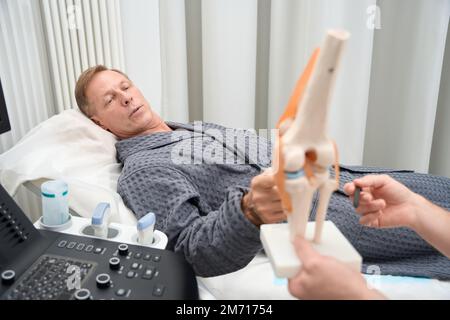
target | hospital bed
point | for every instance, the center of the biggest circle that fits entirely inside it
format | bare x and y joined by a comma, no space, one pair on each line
70,147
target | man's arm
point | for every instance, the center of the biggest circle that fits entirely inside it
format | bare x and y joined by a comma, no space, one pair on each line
213,242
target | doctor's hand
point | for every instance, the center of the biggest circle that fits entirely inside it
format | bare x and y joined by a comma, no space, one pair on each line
262,204
322,277
383,201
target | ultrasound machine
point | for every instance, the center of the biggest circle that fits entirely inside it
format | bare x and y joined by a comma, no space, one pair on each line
40,264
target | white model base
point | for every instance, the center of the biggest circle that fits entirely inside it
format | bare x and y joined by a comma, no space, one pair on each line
116,232
282,255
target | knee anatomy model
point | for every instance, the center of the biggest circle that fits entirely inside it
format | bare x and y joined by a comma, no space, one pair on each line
303,142
301,160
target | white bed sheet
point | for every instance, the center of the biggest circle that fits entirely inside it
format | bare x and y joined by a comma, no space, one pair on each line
258,282
70,147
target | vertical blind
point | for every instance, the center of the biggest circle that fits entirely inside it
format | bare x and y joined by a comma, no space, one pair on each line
44,46
80,34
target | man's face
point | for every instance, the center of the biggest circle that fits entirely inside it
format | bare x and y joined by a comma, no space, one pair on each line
118,106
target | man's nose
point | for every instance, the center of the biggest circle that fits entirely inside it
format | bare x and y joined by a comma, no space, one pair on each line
126,99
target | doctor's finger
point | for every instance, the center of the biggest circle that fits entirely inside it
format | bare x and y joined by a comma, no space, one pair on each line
370,218
295,286
366,197
372,180
371,206
349,188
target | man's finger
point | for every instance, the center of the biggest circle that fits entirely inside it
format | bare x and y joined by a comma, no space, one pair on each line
274,194
270,210
266,197
275,218
264,181
304,249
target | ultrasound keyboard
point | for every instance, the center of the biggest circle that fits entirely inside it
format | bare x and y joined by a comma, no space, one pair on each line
43,264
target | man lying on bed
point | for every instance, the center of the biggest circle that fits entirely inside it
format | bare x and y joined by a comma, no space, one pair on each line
211,208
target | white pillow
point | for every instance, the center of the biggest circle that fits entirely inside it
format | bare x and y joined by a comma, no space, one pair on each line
70,147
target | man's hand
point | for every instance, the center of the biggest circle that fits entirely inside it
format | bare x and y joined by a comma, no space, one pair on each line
322,277
263,203
384,202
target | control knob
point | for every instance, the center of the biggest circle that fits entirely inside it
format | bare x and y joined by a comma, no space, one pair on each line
103,280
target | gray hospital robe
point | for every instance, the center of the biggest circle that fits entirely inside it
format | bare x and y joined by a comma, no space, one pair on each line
182,177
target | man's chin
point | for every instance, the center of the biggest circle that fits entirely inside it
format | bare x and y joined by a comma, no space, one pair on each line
154,121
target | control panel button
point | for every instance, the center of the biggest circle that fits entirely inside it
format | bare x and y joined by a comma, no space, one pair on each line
82,294
147,257
98,250
158,290
130,274
80,246
148,273
135,265
8,277
62,243
157,258
103,280
89,248
71,245
120,292
114,263
137,255
123,249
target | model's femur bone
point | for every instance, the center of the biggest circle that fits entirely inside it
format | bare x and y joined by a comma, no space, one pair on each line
304,142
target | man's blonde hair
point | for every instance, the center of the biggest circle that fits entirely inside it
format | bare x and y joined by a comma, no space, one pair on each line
82,83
